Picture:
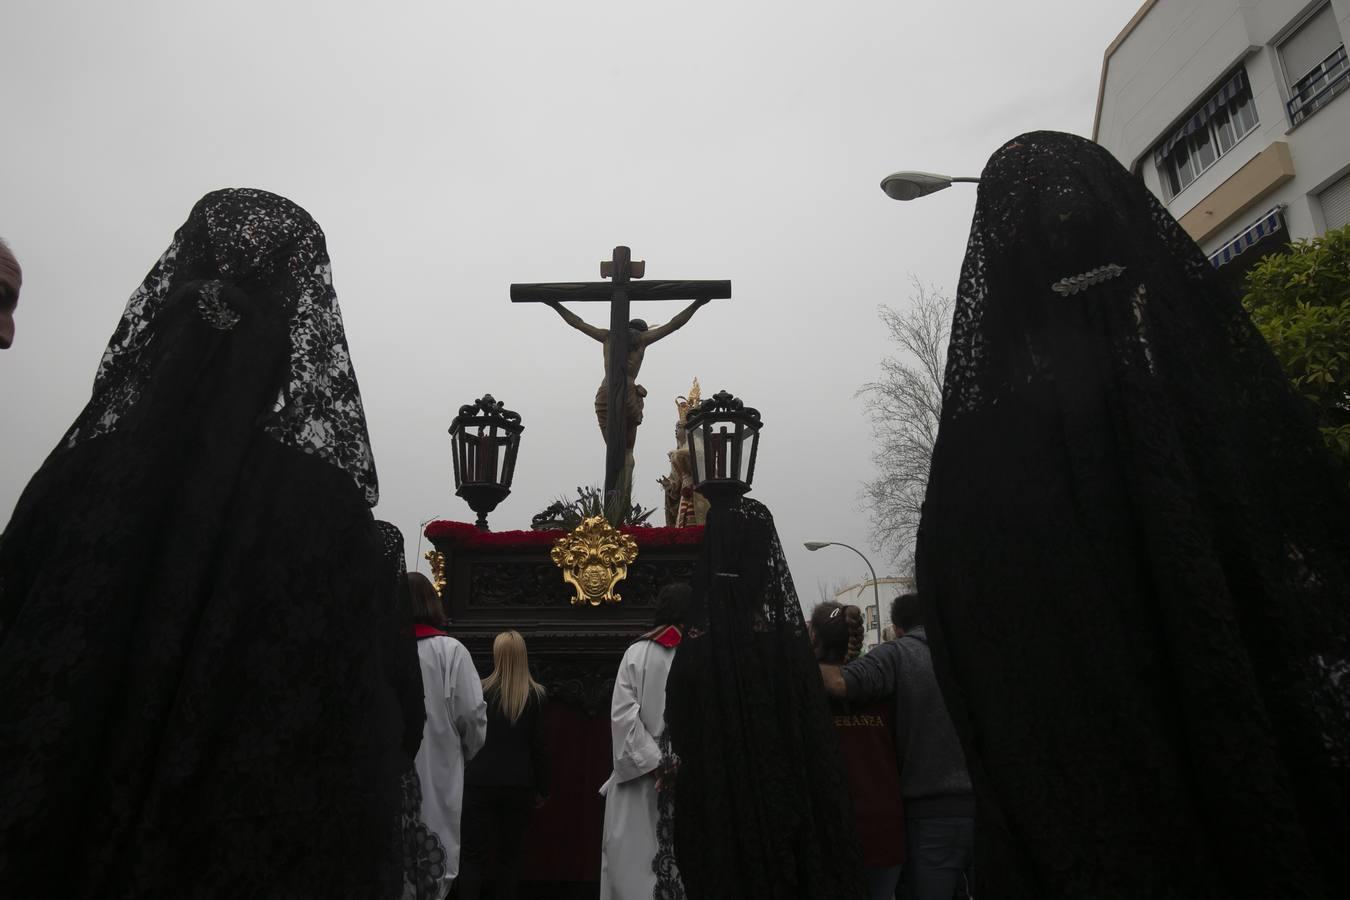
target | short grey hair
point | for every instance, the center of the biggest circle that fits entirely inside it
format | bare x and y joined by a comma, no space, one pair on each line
10,271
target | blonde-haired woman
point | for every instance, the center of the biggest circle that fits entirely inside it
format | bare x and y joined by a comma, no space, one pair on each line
509,776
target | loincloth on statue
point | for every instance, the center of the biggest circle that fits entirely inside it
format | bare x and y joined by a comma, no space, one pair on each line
632,408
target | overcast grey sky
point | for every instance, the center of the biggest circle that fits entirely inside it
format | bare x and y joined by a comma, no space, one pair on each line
450,148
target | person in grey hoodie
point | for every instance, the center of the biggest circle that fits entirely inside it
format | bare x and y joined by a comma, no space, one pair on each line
934,781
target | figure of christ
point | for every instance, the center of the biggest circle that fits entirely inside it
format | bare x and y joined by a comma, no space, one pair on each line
640,337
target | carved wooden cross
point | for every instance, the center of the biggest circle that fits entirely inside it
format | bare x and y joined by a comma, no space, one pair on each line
618,292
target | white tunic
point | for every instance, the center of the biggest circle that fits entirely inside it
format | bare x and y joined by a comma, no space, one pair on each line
455,730
637,718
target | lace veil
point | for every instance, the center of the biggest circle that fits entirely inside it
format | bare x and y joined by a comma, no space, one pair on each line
761,804
254,240
207,671
1134,558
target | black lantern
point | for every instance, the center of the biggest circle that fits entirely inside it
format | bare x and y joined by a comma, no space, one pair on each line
484,439
723,440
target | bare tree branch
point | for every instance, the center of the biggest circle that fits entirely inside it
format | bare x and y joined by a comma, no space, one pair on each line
905,405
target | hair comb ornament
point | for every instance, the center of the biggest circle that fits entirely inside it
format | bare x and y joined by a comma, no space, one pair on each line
1067,287
836,611
213,309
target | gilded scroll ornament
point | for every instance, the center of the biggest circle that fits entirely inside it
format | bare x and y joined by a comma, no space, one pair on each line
594,558
437,571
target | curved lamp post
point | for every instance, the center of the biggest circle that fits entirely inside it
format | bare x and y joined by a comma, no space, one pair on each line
876,594
913,185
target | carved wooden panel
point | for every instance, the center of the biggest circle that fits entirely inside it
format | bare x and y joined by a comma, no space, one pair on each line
574,650
514,583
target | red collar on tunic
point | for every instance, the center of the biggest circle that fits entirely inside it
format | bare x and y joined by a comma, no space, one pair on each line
667,636
426,631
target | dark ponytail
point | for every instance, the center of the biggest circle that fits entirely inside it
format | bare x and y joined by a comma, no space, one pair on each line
854,620
833,634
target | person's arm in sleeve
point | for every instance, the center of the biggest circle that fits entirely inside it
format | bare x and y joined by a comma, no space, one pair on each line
871,677
464,701
635,750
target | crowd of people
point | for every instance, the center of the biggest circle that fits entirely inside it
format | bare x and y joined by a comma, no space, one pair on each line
1125,671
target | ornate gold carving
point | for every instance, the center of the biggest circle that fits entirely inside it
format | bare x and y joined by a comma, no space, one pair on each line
683,505
437,570
594,558
682,407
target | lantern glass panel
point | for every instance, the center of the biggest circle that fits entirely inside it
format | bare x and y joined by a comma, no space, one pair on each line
754,452
720,448
697,461
737,452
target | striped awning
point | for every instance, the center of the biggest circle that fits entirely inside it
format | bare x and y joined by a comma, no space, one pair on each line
1270,222
1231,88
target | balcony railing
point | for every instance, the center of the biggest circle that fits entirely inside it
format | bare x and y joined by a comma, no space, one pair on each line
1315,90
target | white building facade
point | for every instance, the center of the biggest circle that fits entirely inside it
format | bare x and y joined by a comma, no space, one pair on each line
1236,114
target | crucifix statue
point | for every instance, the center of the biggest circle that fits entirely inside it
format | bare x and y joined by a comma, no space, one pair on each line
618,402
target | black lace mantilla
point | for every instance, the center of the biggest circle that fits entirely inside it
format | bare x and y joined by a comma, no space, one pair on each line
203,655
258,242
761,806
1134,559
668,883
424,856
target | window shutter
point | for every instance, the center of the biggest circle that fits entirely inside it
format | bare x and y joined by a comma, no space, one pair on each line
1335,202
1236,86
1315,40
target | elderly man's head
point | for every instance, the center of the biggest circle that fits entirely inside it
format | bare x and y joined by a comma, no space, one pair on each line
11,279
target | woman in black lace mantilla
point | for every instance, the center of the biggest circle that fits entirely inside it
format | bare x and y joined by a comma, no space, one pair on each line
761,802
1134,559
197,650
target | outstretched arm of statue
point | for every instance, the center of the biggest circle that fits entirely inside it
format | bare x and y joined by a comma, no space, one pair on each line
577,322
653,335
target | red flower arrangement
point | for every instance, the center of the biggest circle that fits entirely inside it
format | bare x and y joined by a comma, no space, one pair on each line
463,534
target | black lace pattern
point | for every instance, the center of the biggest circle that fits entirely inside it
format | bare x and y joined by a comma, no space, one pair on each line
200,639
1134,558
668,884
761,806
424,856
213,308
258,241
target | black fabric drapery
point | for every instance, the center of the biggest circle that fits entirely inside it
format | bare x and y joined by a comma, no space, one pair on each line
199,620
761,802
1134,558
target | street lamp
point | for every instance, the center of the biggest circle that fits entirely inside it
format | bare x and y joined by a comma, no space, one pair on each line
913,185
876,594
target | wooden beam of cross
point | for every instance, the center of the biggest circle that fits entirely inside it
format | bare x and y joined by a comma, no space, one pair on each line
619,291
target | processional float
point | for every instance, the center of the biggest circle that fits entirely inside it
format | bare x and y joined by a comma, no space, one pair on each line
581,594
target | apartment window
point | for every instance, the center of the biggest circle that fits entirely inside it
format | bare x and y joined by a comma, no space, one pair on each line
1314,62
1335,202
1209,131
